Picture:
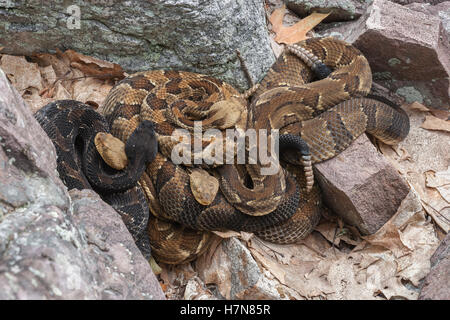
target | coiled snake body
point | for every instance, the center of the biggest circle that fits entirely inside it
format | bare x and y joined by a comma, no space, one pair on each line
327,114
72,127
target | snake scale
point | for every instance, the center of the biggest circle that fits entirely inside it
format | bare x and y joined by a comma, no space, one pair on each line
318,102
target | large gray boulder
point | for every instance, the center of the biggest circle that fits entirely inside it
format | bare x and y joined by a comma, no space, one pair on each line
193,35
340,10
55,244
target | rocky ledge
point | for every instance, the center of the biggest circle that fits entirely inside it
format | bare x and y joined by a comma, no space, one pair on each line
198,36
55,244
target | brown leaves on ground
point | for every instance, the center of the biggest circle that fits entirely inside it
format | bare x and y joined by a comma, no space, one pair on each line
296,32
435,119
91,66
426,166
385,265
22,74
373,267
440,181
43,77
433,123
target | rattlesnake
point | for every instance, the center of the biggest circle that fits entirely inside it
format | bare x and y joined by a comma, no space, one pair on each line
72,127
327,114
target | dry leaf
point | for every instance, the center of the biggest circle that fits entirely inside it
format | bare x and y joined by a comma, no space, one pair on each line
389,237
296,32
209,253
61,92
22,74
418,106
429,152
217,270
439,181
443,186
90,89
61,67
62,81
329,231
163,286
441,114
226,234
420,236
175,278
394,288
276,19
91,66
36,102
440,215
195,290
273,266
48,75
344,279
433,123
295,265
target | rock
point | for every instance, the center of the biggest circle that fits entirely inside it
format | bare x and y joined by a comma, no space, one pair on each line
436,284
340,10
407,51
56,245
120,270
196,290
406,2
441,10
361,186
141,35
379,90
236,274
442,252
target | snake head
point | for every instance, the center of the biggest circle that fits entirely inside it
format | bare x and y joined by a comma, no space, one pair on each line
321,70
142,142
292,141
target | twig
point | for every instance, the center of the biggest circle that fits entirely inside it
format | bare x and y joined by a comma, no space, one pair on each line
245,69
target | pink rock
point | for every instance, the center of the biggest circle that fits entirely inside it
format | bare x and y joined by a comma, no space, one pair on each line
116,263
407,51
435,8
406,2
56,245
361,186
436,285
236,273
